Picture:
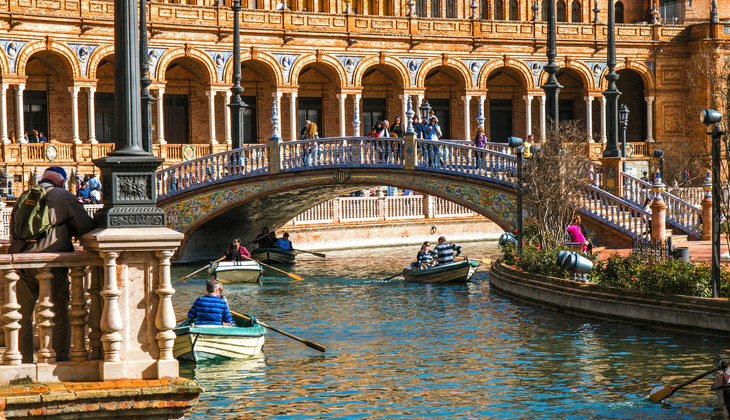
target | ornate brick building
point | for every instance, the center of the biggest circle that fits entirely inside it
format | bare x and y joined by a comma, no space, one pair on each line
335,61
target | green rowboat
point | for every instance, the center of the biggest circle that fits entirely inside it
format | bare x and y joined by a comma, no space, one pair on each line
216,342
458,271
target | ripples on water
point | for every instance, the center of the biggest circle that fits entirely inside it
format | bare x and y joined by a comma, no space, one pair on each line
414,351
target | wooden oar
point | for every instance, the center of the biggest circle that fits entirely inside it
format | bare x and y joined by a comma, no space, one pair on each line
310,252
307,343
292,275
198,271
484,261
257,239
404,272
665,392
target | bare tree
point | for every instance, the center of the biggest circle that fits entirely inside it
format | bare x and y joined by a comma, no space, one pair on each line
709,77
555,182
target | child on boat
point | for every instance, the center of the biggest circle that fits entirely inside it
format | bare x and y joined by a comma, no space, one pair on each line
210,309
425,257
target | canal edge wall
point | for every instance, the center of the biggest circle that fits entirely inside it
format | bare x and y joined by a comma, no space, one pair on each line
659,310
336,236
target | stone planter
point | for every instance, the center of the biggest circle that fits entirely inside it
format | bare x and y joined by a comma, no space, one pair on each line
658,310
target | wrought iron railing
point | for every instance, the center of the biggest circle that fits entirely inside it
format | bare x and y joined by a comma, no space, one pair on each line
646,246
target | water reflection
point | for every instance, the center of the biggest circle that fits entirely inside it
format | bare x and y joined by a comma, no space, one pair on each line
412,351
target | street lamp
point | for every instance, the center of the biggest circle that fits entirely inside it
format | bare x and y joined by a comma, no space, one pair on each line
711,117
612,93
516,144
236,105
425,109
659,154
623,119
145,81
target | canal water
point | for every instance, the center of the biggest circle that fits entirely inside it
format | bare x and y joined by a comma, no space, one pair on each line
400,350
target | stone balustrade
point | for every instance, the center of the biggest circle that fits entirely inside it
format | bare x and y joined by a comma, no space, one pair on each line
363,209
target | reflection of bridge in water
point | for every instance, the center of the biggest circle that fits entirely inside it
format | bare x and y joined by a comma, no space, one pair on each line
236,193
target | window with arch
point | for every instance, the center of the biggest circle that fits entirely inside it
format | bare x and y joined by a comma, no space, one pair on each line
435,8
498,10
560,11
450,9
484,9
619,12
513,10
576,11
544,11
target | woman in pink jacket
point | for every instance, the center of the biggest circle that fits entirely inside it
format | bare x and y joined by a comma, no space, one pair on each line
576,235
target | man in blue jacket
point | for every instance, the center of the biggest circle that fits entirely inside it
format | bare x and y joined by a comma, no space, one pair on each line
211,309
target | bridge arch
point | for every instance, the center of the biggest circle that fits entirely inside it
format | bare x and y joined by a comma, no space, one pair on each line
211,216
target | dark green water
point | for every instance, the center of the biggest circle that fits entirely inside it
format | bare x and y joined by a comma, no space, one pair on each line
398,350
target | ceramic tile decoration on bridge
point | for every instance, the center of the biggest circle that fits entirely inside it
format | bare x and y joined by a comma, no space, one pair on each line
195,192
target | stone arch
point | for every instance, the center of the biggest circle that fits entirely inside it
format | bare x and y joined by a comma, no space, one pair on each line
457,65
96,58
267,59
333,63
578,67
647,75
5,65
58,48
200,56
391,62
193,211
522,69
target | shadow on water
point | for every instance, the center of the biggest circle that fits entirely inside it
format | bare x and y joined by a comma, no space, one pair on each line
456,351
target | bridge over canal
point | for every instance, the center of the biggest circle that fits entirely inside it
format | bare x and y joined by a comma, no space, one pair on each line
236,193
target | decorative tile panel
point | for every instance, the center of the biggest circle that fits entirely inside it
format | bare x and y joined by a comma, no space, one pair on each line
286,61
83,52
350,63
12,49
220,58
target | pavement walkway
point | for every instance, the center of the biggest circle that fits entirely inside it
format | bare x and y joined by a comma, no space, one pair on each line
698,250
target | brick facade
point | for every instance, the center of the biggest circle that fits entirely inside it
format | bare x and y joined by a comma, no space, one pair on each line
380,55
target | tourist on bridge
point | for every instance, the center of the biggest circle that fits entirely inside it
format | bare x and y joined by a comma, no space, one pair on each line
83,194
211,309
445,251
68,219
380,129
397,128
310,153
418,128
480,141
304,129
425,257
527,147
264,241
236,252
283,242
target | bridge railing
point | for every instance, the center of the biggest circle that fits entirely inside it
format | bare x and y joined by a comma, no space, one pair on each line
234,164
341,151
680,214
611,210
466,160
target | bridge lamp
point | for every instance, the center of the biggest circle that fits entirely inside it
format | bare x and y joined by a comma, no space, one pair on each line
623,120
425,109
711,117
516,144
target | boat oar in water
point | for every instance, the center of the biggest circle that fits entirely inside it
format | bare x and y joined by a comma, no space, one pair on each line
198,271
483,261
661,392
292,275
307,343
404,272
320,255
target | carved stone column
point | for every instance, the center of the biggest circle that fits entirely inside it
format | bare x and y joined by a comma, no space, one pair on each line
111,320
211,116
589,118
341,98
467,117
4,113
293,116
20,114
649,119
161,116
167,365
528,115
91,115
78,315
11,319
228,118
75,114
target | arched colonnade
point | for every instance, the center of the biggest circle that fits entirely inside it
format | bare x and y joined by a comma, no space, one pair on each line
343,94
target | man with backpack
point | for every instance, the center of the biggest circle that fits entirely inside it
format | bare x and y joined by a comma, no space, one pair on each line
45,219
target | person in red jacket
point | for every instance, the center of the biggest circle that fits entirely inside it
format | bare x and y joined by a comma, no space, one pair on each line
236,252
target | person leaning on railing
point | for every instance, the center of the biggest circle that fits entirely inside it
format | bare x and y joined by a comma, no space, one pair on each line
68,219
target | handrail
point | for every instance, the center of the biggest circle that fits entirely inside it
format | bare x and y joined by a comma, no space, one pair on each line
611,210
206,170
680,214
341,151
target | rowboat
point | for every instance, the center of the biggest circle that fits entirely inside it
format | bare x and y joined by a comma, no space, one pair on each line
274,255
236,271
457,271
722,390
218,342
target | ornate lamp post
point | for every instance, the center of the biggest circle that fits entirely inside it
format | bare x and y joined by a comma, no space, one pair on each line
410,114
623,118
712,117
128,172
552,87
147,98
425,109
612,93
236,105
515,143
659,154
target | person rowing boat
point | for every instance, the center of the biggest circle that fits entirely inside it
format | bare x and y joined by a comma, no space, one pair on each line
235,251
445,251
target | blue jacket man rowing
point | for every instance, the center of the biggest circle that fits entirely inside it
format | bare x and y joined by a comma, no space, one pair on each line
445,251
211,309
